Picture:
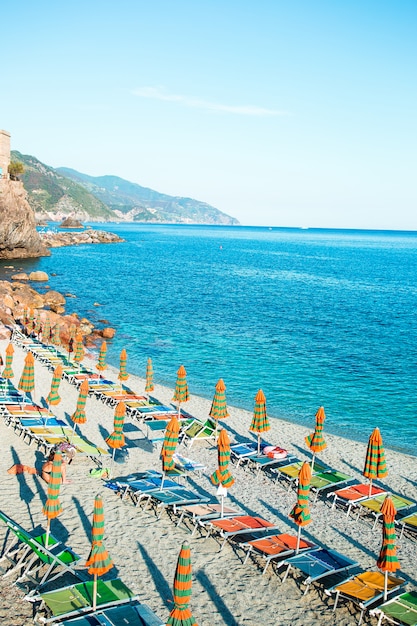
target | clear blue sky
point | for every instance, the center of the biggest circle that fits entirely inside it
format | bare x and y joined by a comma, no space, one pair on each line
279,113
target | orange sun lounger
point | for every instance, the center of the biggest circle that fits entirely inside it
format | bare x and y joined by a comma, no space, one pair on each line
275,547
229,528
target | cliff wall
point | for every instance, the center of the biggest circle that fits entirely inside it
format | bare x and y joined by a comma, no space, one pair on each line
18,235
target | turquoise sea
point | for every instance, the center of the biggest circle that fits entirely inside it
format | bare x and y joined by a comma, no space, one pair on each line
313,317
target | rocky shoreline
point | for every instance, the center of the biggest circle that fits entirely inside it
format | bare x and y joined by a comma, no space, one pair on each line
57,240
17,297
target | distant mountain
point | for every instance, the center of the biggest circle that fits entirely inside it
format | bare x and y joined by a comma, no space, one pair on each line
131,202
54,197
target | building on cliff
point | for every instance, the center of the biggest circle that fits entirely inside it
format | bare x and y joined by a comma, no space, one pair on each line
4,153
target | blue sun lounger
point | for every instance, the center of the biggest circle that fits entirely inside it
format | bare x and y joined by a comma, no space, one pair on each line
125,614
315,565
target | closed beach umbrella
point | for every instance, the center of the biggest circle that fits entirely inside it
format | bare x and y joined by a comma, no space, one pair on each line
169,445
260,423
315,441
79,416
99,561
222,476
301,512
181,614
218,409
149,386
27,379
37,324
101,365
375,465
30,321
56,338
181,388
53,396
117,439
46,331
8,371
123,375
79,349
53,506
388,560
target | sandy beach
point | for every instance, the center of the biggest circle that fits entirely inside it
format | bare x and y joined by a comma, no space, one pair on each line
145,550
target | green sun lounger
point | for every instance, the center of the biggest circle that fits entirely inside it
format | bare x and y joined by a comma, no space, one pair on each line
330,479
32,559
60,604
408,524
126,615
399,610
372,506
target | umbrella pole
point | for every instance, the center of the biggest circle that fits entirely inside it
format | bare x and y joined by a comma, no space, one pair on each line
179,410
385,586
312,461
297,549
222,508
48,530
259,444
95,592
112,463
370,487
162,481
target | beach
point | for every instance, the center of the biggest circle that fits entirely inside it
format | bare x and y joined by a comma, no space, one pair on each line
144,549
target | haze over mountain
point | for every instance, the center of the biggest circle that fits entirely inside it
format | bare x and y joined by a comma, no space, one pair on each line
57,193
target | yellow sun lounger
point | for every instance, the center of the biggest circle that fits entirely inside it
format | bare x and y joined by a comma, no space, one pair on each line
365,590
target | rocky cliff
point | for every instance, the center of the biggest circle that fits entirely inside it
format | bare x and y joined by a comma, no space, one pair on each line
18,235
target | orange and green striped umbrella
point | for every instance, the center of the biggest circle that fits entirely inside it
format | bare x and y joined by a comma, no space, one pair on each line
27,379
46,331
37,324
56,339
72,331
301,512
315,441
222,476
181,388
79,349
8,371
117,438
181,614
375,465
53,506
169,444
388,560
53,396
218,409
149,386
123,375
99,561
30,321
101,365
79,416
260,423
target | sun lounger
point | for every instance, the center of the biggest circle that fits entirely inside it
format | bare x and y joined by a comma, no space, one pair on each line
32,559
196,513
330,479
399,610
227,529
365,590
74,600
408,524
263,462
288,470
372,506
240,452
187,465
348,497
273,548
197,431
134,614
141,488
314,565
172,499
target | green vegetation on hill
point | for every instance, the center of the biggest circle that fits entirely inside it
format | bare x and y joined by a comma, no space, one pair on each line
56,193
52,195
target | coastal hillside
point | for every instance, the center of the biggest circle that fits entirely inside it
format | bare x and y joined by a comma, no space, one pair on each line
54,197
133,202
54,194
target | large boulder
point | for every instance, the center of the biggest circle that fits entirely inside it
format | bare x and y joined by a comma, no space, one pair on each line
39,276
55,301
108,333
25,296
18,235
20,276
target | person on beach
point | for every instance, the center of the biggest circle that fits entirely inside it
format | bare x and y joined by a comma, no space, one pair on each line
47,469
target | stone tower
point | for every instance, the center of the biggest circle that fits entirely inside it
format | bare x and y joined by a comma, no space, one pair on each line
4,153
